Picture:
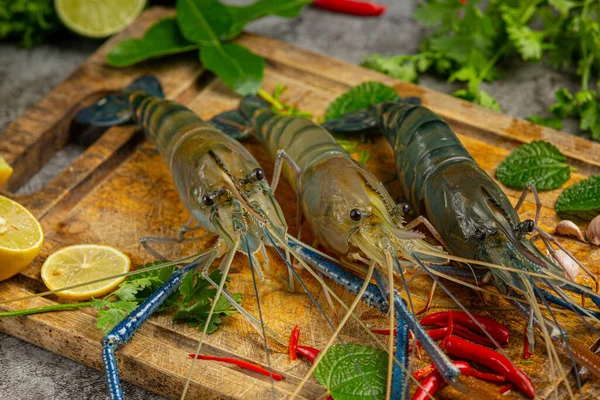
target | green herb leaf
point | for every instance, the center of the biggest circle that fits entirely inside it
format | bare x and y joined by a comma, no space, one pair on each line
581,200
205,21
160,39
399,67
262,8
110,313
235,65
359,97
551,122
539,163
337,372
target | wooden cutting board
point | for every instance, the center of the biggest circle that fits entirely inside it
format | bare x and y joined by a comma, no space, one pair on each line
119,190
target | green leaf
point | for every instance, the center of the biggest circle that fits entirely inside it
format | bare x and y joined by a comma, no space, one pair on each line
539,163
235,65
110,313
337,372
562,6
205,21
551,122
261,8
359,97
484,99
527,41
581,200
160,39
565,105
399,67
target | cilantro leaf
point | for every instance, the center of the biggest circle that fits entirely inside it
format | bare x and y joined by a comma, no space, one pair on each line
110,313
399,67
581,199
539,163
338,374
359,97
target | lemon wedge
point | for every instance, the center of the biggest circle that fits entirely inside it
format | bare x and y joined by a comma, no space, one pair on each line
21,237
5,171
79,264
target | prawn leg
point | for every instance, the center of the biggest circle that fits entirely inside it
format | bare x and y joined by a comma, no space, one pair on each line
124,331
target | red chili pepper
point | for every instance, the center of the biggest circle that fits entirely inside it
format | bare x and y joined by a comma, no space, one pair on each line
496,330
429,386
440,333
352,7
526,353
310,353
384,331
465,368
463,2
506,388
491,359
242,364
449,329
294,338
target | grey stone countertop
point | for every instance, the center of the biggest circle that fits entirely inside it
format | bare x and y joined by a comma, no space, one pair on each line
28,372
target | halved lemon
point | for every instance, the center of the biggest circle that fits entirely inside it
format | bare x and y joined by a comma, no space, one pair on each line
5,171
98,18
79,264
21,237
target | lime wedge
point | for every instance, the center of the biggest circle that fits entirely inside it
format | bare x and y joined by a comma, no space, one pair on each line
98,18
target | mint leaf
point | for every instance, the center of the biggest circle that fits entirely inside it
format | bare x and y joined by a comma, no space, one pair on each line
204,21
337,372
160,39
235,65
359,97
539,163
581,200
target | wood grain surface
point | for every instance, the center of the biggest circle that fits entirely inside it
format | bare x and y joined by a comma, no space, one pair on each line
119,190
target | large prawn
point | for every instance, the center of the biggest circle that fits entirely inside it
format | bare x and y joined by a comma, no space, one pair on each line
442,182
349,212
226,193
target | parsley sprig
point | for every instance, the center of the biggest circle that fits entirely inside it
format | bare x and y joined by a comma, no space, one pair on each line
191,303
468,43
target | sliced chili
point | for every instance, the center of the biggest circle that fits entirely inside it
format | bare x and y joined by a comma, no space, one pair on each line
495,361
242,364
352,7
310,353
294,338
496,330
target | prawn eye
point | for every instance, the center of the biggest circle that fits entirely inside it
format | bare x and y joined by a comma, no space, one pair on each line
405,208
258,174
208,200
479,234
527,225
355,214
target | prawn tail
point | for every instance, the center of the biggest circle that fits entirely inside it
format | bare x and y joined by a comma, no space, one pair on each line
363,121
115,109
237,123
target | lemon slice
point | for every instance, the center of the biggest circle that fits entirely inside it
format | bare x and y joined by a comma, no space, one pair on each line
5,171
98,18
21,238
75,265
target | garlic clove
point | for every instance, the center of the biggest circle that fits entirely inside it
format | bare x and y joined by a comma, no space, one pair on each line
570,267
568,228
593,231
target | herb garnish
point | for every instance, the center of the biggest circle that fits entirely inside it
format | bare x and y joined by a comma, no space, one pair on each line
466,43
359,97
191,303
338,374
539,163
581,199
209,26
